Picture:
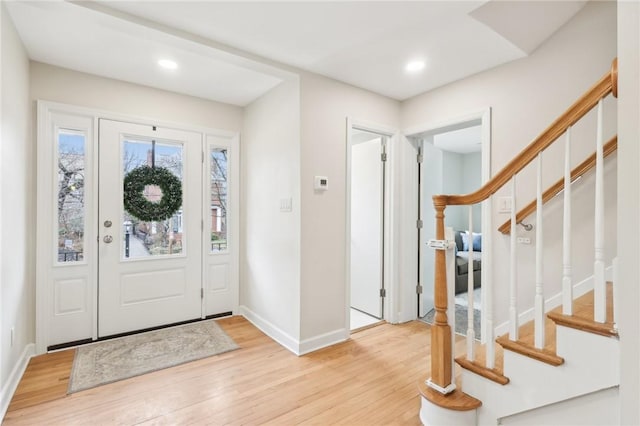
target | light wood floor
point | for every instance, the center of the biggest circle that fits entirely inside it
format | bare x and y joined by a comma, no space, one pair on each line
370,379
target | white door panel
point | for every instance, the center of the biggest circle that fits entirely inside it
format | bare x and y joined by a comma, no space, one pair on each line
157,280
366,226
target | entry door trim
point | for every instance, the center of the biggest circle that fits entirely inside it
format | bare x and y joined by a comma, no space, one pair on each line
44,222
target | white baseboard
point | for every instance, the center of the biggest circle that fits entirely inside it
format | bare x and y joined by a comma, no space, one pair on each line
271,330
323,340
297,347
554,301
11,385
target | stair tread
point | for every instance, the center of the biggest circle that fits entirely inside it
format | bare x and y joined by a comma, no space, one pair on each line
582,318
526,349
481,369
456,400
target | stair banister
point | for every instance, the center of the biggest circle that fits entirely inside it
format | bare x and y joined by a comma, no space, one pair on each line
599,283
567,278
441,340
539,295
580,170
471,334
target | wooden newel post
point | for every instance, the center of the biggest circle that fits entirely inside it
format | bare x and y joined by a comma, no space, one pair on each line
440,331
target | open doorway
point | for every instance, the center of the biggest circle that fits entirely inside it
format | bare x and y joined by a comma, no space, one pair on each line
367,198
453,159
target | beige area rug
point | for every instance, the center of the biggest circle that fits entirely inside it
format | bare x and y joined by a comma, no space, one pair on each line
117,359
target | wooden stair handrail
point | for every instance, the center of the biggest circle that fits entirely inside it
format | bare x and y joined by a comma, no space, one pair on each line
578,110
588,164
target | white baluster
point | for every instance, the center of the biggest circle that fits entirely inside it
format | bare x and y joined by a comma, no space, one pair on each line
599,284
487,291
567,284
513,287
450,258
471,334
538,314
616,293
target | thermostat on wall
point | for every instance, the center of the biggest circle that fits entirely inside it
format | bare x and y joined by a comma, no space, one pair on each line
321,183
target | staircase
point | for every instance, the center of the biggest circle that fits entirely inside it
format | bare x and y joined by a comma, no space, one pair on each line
564,365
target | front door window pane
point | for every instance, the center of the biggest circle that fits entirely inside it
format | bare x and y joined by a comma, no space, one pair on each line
143,239
70,202
219,198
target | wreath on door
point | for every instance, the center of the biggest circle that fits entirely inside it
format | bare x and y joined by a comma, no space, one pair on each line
136,202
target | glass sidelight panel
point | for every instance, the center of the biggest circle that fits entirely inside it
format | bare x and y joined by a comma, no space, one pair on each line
219,197
70,202
144,239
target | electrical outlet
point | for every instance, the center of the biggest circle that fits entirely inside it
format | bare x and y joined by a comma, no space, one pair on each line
524,240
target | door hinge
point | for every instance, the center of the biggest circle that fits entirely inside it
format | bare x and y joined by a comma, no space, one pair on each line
202,224
383,292
419,289
420,158
201,293
419,223
383,157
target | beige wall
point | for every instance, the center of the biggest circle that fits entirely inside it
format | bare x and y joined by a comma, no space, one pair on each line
51,83
17,226
629,208
270,254
325,105
525,96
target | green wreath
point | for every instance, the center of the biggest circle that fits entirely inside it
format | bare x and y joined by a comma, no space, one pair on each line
137,204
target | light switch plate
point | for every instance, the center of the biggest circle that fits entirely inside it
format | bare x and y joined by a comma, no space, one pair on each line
504,204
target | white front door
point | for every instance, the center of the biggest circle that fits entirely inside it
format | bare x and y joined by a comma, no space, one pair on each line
150,271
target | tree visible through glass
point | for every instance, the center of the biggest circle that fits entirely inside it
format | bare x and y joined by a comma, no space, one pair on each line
145,239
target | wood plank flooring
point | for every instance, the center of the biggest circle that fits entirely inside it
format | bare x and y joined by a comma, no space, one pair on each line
370,379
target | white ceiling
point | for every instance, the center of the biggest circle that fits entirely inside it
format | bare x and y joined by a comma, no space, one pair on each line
222,47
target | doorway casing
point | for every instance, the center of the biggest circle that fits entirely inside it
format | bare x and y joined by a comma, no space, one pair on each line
88,118
409,215
389,244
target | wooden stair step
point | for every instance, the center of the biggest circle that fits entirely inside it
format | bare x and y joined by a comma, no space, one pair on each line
492,374
543,355
582,318
456,400
603,329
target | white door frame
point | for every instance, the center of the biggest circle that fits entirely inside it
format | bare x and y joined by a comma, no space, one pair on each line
44,298
484,116
389,248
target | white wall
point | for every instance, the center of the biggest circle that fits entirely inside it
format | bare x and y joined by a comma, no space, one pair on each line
525,97
471,181
51,83
452,184
629,207
17,226
598,408
325,105
270,259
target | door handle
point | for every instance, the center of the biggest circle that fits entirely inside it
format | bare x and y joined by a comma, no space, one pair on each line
107,239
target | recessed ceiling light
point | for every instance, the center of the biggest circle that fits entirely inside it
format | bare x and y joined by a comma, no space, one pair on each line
415,66
168,64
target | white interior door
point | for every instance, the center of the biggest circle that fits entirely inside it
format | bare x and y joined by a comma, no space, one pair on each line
149,271
367,186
